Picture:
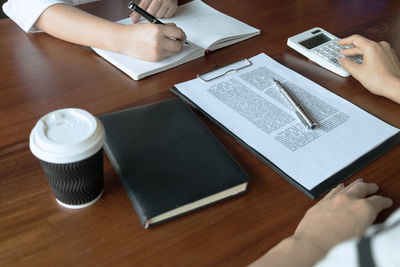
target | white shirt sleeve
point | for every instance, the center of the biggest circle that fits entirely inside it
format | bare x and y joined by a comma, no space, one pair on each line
26,12
383,247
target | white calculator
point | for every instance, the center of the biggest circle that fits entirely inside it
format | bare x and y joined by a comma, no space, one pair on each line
321,47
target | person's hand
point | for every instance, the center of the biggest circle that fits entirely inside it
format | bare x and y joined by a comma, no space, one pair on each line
380,70
150,42
344,213
157,8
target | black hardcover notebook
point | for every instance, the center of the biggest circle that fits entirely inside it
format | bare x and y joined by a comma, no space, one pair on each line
168,162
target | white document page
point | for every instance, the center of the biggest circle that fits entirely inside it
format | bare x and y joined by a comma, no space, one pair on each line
248,103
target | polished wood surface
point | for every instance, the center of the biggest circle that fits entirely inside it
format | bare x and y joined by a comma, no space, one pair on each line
39,74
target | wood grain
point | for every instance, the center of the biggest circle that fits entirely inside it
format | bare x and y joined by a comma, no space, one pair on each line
39,74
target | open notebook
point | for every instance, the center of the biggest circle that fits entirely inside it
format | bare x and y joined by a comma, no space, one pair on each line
206,29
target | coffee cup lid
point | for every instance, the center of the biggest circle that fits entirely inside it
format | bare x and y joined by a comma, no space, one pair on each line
66,135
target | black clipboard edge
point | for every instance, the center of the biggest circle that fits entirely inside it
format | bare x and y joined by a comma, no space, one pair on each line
357,165
324,186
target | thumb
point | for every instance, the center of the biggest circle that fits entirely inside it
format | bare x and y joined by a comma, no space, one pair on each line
353,68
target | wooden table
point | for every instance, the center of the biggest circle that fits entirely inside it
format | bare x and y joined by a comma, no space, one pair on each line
39,74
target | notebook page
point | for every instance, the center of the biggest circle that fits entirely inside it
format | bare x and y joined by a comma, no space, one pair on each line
205,26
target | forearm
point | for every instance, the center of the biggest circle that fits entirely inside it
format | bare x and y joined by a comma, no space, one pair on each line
292,251
76,26
344,213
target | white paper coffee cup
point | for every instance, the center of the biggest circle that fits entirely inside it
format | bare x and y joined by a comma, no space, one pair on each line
68,142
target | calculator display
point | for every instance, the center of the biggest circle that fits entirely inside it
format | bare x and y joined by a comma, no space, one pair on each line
315,41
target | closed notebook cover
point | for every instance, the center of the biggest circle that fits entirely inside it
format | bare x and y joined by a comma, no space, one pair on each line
167,160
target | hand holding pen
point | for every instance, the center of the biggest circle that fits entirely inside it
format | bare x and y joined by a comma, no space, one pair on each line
151,41
150,18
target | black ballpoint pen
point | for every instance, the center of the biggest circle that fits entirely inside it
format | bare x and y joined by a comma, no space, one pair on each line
150,18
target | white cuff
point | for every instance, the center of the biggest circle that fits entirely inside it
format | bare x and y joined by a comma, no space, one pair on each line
26,12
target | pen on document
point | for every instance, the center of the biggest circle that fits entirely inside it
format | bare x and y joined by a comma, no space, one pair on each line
150,18
299,109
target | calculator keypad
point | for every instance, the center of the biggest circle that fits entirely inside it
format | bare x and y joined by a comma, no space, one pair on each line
330,51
